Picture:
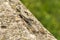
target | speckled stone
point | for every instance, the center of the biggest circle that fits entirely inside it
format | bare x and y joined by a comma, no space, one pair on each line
18,23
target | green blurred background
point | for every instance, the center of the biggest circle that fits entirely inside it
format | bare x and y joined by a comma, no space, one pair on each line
48,12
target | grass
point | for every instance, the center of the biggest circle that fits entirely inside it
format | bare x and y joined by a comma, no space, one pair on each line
48,12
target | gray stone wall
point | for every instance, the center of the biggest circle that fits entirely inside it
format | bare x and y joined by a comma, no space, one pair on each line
18,23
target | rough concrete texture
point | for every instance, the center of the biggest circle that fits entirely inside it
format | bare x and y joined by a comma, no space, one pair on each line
18,23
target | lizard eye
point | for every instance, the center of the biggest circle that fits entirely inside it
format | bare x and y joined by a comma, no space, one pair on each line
18,10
